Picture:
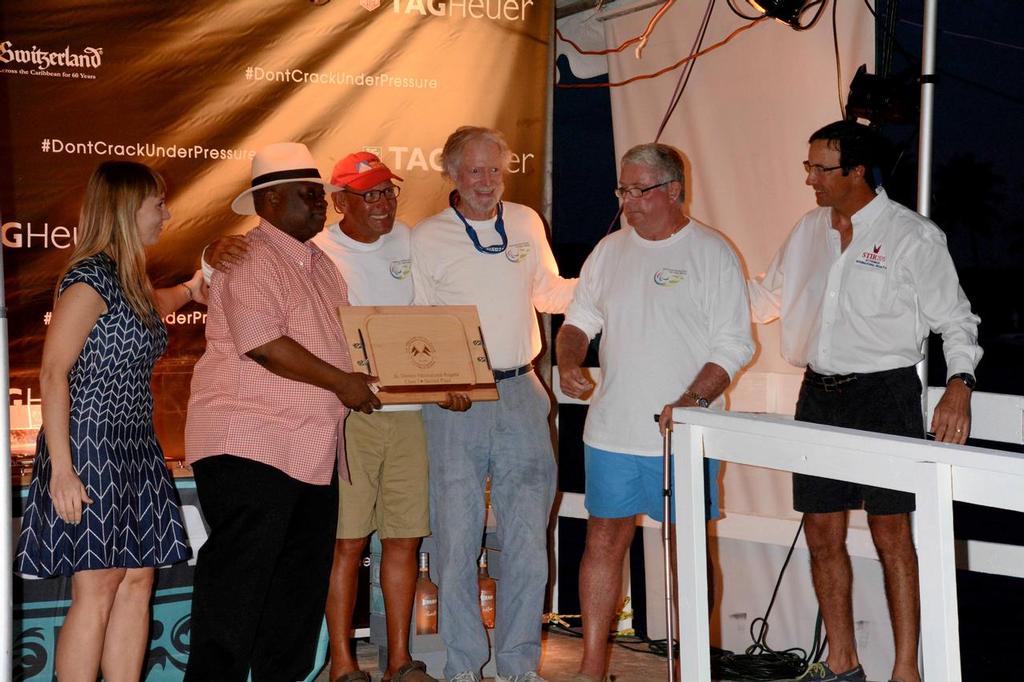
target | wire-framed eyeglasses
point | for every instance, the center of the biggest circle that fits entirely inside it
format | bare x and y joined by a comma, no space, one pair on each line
374,195
818,168
637,192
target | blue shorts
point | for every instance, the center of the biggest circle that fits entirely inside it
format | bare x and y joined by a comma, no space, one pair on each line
621,485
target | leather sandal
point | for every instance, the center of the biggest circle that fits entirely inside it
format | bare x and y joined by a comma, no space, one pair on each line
413,671
354,676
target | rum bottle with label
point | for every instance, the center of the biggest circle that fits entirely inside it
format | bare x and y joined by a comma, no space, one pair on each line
426,599
488,592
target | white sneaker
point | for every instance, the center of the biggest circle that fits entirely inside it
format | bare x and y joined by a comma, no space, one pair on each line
525,677
465,677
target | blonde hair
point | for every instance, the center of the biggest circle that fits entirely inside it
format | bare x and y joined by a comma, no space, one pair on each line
107,224
451,155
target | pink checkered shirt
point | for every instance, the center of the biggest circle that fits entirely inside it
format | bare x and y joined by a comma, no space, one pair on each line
283,288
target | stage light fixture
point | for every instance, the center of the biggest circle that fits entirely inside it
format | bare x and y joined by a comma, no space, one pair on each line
786,11
883,99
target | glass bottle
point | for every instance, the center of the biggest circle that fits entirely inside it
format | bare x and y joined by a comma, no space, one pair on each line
488,592
426,599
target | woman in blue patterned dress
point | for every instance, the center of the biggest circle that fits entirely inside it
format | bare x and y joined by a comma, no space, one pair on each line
102,507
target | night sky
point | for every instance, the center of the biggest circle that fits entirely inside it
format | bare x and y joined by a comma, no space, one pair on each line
978,169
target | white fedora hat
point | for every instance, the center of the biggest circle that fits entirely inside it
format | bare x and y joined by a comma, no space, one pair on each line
277,164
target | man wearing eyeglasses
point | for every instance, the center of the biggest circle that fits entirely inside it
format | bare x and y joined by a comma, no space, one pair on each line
858,285
387,450
668,296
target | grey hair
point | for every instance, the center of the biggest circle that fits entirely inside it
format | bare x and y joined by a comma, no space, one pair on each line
451,155
666,161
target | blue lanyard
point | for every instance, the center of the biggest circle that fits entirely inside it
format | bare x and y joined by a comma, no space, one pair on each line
499,226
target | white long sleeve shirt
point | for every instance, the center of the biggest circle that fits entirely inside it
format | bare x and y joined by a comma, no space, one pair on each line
506,287
666,308
868,308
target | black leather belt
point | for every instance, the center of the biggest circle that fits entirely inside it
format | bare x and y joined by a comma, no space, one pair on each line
500,374
832,382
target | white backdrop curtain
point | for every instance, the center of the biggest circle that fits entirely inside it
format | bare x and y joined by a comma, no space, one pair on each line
743,124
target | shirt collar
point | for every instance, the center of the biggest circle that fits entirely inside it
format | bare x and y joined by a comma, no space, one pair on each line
867,215
286,244
335,233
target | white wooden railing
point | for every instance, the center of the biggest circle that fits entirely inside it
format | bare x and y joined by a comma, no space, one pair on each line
936,473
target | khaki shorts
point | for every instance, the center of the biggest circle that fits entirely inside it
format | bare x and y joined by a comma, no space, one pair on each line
387,461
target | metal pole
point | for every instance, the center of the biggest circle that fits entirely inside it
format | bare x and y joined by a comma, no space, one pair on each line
666,542
6,531
924,158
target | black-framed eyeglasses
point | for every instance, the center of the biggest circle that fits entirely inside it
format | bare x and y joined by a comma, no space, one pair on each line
374,195
637,192
818,168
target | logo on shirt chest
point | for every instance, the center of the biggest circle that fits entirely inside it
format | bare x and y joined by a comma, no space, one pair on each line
873,258
517,253
400,269
421,351
669,277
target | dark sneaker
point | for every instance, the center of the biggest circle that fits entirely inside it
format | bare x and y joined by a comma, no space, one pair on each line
819,672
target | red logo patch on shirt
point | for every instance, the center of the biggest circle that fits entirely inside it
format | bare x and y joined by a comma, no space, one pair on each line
873,258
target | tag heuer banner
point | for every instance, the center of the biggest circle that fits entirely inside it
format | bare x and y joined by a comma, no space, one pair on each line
193,89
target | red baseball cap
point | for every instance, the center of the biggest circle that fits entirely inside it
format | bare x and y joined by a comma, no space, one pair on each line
361,171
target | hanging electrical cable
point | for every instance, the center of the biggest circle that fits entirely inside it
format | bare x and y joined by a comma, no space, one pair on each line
641,38
820,4
839,69
737,12
684,77
667,69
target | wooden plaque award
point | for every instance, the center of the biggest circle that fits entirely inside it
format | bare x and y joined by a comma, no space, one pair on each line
419,353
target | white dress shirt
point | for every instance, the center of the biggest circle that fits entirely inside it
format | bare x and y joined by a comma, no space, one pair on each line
868,308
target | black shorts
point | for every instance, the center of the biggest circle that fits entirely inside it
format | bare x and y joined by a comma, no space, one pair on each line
884,402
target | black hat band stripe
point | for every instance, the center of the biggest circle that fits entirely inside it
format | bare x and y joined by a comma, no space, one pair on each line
285,175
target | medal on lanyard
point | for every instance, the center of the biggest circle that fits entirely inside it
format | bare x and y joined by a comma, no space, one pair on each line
499,226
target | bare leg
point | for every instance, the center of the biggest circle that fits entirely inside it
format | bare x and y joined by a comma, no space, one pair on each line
833,584
341,603
600,587
80,642
398,581
127,634
891,533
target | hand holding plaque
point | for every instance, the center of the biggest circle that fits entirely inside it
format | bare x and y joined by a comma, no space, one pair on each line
420,354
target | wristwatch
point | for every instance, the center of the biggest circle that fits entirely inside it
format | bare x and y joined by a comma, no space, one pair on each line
968,379
697,398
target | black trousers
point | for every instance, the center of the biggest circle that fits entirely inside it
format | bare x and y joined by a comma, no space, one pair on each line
884,402
261,578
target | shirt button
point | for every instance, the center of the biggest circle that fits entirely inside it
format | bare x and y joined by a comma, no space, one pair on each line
832,294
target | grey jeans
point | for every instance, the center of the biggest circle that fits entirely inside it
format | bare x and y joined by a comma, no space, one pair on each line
510,440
